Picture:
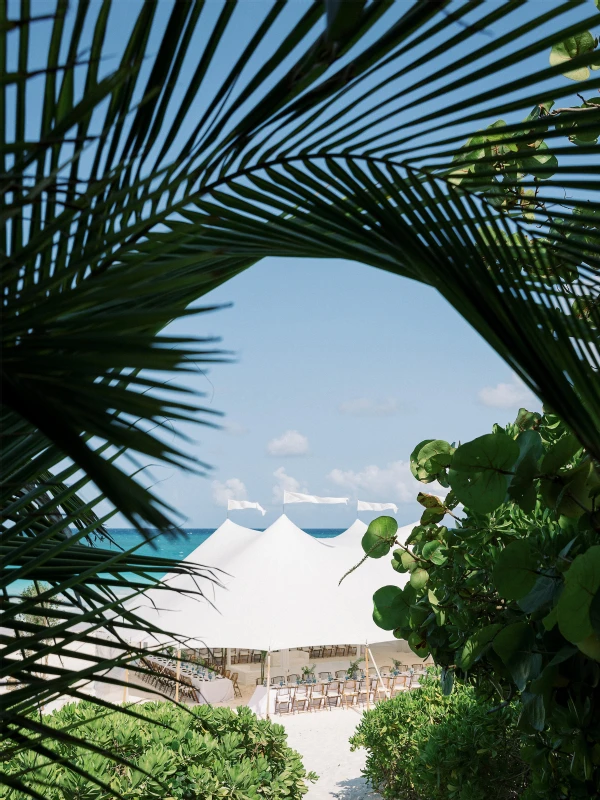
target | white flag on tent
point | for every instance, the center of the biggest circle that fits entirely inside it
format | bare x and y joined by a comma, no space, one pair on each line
238,505
296,497
364,506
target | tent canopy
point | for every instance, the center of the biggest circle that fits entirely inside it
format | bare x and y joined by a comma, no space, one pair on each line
283,593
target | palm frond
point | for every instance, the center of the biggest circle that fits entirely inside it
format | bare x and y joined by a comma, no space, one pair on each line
140,171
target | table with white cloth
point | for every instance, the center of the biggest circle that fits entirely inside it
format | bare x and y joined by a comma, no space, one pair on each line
258,701
215,689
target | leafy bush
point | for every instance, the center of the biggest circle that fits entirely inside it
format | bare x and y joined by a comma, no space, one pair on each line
423,745
205,753
509,598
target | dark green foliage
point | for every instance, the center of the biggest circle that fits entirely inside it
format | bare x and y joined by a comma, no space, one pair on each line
206,753
144,170
511,600
423,745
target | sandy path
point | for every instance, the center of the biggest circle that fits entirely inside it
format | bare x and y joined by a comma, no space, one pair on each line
322,740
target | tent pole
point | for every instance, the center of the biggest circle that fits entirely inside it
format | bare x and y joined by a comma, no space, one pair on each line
367,674
126,685
268,681
387,691
177,674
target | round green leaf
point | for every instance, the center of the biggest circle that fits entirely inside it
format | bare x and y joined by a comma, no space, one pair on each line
560,453
419,578
514,644
379,537
476,644
390,608
478,474
562,53
435,552
515,570
409,562
418,645
430,457
582,581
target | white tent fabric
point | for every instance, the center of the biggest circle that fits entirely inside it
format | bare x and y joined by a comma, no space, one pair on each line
227,542
351,537
222,545
284,593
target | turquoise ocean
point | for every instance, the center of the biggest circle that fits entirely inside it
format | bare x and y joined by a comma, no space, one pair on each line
181,546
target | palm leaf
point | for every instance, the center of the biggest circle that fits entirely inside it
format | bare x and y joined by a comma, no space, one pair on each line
136,182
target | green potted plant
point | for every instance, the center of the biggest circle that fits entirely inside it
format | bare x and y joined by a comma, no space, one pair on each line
352,671
308,673
397,664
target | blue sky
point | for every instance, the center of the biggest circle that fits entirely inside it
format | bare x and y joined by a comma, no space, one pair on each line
360,363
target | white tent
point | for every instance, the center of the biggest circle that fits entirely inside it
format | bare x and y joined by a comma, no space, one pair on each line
351,537
284,593
221,546
227,542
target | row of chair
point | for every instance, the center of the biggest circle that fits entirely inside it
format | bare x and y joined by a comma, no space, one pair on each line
332,651
165,679
317,696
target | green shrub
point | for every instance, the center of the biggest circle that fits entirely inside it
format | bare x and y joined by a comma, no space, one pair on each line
205,753
425,746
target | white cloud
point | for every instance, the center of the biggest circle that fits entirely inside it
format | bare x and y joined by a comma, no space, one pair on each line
508,395
285,483
392,483
290,443
231,489
367,407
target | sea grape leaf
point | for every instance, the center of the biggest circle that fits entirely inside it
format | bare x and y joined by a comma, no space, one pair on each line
560,454
430,457
534,712
514,645
522,487
582,582
419,578
526,419
563,52
379,537
408,561
398,565
435,552
418,645
390,608
434,508
542,594
542,163
476,645
480,471
515,570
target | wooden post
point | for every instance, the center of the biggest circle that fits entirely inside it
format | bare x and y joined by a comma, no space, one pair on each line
387,691
268,681
367,674
177,674
126,685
